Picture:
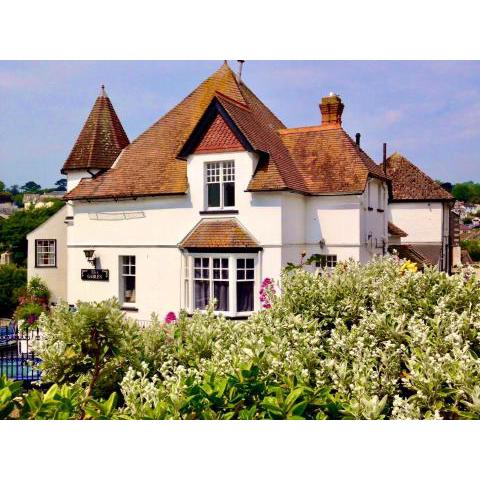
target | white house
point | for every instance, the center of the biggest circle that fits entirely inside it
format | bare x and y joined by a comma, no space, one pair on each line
422,209
212,198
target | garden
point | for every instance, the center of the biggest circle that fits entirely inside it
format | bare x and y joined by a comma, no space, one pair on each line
374,341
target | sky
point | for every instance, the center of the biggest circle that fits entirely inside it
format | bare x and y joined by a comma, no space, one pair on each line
427,110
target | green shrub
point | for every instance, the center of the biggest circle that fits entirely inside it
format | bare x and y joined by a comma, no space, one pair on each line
92,346
12,278
473,248
362,342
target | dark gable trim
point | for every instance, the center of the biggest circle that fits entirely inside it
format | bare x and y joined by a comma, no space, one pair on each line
223,250
204,124
36,247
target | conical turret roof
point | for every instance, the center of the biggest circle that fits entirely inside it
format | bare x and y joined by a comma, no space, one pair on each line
101,139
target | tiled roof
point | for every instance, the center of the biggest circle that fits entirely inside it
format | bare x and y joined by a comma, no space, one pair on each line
329,160
408,252
396,231
219,233
410,183
149,165
219,138
101,139
311,160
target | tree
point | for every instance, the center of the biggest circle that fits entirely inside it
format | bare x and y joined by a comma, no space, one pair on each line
2,186
14,229
30,187
14,190
61,184
467,192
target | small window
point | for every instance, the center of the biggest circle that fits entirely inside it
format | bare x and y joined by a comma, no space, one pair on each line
220,177
245,284
127,279
329,261
369,195
45,253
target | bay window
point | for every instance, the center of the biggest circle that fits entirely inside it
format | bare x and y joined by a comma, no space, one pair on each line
220,185
245,284
229,278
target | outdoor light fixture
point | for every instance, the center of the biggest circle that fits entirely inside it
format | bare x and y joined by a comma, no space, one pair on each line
90,256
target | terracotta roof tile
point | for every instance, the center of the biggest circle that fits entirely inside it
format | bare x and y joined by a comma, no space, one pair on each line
396,231
101,139
410,183
329,160
219,233
149,165
219,138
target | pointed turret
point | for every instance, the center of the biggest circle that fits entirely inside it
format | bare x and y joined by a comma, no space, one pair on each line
101,140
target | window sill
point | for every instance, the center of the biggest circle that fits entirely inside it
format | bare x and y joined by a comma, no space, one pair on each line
238,316
380,210
45,266
127,308
218,212
370,209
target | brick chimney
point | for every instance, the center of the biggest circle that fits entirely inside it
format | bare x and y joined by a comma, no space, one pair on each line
331,108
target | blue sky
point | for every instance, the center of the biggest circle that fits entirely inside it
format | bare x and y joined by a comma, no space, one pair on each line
429,111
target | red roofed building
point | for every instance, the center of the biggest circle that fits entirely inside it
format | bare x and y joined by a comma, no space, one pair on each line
423,209
212,198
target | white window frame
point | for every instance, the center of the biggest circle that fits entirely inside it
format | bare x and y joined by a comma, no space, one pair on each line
122,275
331,261
188,299
46,246
223,177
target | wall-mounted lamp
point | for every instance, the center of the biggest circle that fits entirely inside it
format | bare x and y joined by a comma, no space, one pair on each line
322,243
90,256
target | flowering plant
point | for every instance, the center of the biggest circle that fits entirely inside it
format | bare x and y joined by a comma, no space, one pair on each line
170,317
267,292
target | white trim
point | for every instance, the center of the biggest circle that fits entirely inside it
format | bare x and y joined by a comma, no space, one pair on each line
232,279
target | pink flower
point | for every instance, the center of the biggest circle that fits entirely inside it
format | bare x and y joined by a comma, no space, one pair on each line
170,317
267,290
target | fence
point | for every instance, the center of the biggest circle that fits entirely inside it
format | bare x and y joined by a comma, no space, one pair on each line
17,357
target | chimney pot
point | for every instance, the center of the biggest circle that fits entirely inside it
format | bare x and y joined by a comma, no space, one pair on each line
357,139
331,108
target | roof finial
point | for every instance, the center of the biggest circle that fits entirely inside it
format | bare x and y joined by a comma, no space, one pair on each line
103,93
240,67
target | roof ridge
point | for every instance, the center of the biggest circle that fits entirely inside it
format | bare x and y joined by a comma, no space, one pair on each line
95,132
232,100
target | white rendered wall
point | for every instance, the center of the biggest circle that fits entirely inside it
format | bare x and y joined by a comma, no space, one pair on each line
55,277
422,221
155,228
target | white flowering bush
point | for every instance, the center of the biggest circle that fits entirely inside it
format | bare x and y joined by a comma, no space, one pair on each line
383,340
372,341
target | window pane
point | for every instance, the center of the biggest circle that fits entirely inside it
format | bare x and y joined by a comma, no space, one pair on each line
249,262
245,296
198,262
240,263
250,274
229,194
220,292
202,293
129,292
213,194
240,274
